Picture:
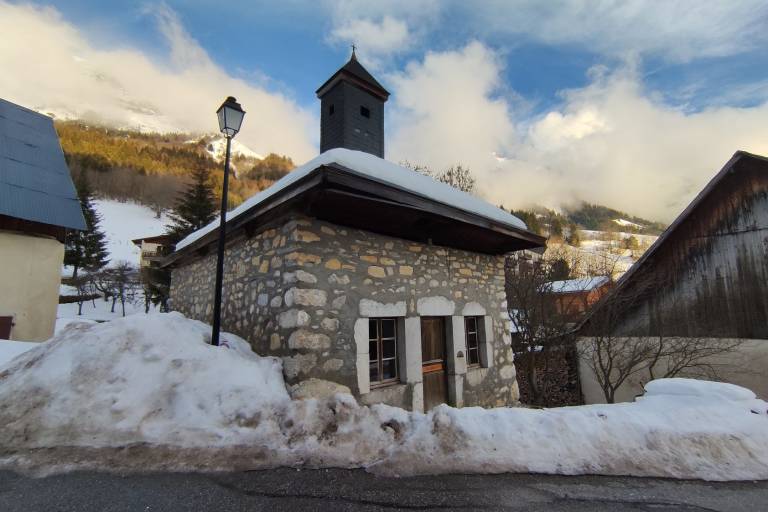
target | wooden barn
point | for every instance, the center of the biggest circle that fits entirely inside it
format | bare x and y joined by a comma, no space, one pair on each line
706,277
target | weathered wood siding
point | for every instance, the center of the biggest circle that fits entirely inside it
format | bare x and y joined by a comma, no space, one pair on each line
710,276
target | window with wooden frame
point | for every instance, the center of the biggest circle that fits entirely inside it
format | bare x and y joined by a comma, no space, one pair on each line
382,350
472,331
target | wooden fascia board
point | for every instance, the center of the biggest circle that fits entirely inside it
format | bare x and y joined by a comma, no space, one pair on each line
340,175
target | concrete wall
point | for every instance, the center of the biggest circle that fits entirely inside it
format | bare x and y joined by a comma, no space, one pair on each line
304,291
748,367
30,274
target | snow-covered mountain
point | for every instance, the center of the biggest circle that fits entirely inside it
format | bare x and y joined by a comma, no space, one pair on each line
217,148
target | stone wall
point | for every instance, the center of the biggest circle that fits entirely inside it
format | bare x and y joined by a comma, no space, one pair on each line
304,291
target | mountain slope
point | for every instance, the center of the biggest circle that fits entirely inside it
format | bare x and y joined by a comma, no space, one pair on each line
152,168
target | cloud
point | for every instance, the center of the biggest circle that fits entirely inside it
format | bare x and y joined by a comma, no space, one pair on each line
678,30
381,29
378,38
56,69
609,142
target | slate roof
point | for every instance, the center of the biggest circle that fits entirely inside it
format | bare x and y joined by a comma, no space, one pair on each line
35,184
356,70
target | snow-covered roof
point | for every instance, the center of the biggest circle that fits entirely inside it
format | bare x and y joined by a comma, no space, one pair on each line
578,285
377,169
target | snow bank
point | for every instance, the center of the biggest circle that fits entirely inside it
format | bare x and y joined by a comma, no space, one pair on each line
10,349
663,435
378,169
149,392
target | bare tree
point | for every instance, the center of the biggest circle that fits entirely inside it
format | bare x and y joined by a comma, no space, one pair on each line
620,344
542,320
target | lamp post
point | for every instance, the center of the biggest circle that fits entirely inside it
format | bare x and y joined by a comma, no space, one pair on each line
230,115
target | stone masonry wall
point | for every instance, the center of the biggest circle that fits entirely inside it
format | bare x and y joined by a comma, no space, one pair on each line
301,290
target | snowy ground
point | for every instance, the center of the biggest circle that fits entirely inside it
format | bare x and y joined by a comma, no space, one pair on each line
148,392
102,310
122,223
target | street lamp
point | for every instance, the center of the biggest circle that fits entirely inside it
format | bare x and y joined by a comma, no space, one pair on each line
230,118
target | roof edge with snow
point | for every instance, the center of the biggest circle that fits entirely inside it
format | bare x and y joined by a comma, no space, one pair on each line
375,181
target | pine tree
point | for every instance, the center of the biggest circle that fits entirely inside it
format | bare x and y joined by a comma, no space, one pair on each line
195,208
86,249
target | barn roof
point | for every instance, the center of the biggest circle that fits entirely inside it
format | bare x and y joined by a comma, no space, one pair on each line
362,190
646,260
35,184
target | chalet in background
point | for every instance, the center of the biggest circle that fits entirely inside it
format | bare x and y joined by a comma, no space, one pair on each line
364,276
706,277
38,203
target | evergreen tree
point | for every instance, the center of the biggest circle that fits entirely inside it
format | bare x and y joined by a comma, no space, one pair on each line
574,237
195,208
86,249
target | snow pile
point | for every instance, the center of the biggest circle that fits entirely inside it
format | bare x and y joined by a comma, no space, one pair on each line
148,379
719,432
149,393
358,162
10,349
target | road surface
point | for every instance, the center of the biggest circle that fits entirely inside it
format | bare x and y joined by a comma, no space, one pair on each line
332,490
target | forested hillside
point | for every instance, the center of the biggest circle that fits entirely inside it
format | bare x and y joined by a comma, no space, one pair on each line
152,169
585,216
602,218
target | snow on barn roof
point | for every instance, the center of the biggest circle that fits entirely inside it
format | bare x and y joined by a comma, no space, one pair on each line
35,184
377,169
583,284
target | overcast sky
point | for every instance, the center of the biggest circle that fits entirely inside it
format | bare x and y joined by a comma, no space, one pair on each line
633,104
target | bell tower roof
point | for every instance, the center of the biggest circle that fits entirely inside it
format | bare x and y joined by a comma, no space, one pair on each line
355,73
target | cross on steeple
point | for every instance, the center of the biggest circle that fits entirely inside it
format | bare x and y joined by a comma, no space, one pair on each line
353,52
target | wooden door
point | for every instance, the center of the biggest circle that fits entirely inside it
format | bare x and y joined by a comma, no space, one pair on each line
433,367
6,323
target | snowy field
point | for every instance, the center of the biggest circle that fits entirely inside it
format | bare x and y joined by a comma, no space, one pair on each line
121,223
148,392
99,312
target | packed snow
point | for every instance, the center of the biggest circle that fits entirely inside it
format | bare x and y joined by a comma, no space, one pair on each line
377,169
10,349
149,392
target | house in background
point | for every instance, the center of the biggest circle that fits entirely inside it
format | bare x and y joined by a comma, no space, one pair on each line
38,203
576,296
706,277
153,249
364,276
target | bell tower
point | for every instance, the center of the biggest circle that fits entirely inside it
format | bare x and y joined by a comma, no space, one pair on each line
352,110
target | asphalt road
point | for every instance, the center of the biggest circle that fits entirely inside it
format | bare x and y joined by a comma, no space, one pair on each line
331,490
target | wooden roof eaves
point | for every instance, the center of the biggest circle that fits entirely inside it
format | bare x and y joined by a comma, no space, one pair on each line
346,176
